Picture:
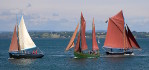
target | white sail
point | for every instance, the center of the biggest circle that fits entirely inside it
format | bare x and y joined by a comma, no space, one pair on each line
98,41
25,40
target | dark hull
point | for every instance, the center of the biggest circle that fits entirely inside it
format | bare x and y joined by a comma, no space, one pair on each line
24,55
86,55
119,53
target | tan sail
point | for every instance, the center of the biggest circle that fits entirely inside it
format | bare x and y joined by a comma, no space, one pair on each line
71,42
14,42
25,40
72,45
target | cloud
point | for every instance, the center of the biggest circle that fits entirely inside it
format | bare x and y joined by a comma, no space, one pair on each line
6,15
55,14
64,15
29,5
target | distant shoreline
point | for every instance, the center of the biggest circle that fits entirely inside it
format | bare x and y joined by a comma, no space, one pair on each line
68,34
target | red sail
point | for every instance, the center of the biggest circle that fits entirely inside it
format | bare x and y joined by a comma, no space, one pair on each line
132,39
83,39
118,19
94,42
77,47
14,42
127,44
114,37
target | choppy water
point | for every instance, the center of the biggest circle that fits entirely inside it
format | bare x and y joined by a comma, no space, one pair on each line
55,58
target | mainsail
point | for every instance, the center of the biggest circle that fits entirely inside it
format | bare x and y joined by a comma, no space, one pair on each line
25,40
94,42
14,42
71,43
114,37
83,38
118,19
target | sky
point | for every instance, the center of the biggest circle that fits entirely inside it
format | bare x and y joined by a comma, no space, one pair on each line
64,15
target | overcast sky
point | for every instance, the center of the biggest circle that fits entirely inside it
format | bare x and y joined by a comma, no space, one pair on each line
63,15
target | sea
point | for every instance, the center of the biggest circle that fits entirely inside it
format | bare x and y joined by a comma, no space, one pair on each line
56,58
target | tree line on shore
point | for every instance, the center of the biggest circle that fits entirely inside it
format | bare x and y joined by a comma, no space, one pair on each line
66,34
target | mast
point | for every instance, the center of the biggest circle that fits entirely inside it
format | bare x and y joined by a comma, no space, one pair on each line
94,42
17,33
25,40
127,44
83,38
14,43
71,42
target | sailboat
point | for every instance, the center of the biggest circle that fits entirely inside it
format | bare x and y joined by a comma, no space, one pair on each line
81,45
21,43
119,39
99,40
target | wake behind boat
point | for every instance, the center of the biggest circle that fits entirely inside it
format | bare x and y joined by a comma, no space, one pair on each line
119,39
81,45
22,43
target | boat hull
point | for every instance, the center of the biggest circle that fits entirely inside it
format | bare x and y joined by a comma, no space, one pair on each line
119,53
24,55
86,55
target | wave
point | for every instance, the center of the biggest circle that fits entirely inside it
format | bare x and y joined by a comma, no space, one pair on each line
61,55
124,56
